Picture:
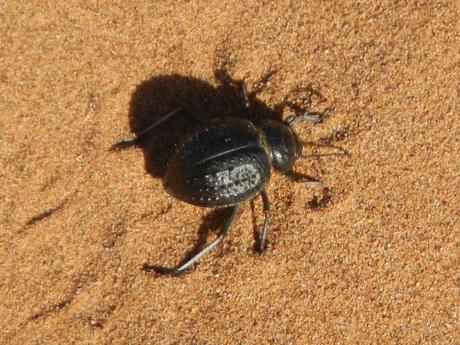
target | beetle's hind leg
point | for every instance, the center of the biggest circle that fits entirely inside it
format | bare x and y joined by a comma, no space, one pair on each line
262,245
139,136
185,266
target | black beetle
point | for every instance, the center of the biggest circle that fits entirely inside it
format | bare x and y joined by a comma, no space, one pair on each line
224,162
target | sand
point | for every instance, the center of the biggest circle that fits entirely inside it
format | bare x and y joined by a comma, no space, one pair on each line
374,260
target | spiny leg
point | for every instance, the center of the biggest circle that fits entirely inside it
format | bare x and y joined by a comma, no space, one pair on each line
139,136
259,86
182,268
264,236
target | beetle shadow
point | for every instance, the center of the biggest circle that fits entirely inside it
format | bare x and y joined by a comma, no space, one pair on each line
199,102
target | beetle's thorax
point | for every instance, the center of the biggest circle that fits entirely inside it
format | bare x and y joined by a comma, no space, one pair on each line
282,143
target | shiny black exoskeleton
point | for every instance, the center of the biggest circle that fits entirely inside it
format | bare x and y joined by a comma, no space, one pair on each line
228,161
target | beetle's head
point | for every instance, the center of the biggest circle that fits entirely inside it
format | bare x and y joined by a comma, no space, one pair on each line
283,143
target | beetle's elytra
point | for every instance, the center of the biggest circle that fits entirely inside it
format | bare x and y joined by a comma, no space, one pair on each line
222,163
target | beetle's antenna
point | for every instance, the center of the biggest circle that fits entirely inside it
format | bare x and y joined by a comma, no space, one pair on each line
135,139
315,155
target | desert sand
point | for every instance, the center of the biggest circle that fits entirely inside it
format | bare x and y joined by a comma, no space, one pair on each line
373,260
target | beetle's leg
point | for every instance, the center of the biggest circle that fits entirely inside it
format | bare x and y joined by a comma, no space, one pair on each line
247,104
182,268
139,136
259,86
309,181
310,116
266,205
223,232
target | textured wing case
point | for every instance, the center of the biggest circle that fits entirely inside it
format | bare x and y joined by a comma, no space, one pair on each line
221,164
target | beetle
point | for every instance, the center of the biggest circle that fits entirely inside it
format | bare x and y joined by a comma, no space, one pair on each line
224,162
